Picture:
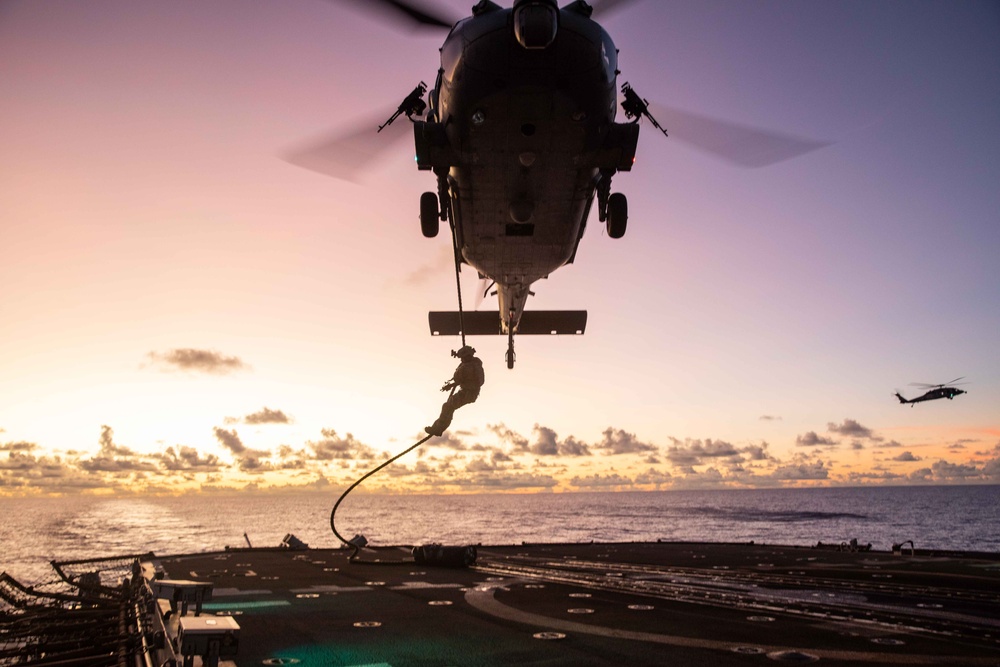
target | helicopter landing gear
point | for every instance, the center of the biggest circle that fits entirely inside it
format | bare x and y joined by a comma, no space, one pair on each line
617,215
429,215
612,209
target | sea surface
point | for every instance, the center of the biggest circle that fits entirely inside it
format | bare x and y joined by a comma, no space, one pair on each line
34,531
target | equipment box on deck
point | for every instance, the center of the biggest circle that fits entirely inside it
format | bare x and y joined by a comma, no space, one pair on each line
209,636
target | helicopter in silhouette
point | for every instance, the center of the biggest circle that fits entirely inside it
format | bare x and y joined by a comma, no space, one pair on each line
520,133
934,391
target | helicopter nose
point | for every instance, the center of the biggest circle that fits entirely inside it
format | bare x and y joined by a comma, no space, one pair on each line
535,23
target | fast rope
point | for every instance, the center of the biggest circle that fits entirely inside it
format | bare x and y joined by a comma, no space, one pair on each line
461,325
458,282
368,474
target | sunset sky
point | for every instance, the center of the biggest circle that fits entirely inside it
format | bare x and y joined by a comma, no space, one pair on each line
182,309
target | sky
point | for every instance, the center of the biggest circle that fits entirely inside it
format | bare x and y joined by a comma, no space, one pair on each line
181,309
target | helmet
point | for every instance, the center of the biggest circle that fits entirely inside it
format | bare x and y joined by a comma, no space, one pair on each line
465,351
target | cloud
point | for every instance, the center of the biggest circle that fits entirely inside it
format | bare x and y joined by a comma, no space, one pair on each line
867,477
494,481
947,472
516,440
693,479
682,456
852,429
943,470
654,477
988,452
801,471
266,416
811,439
230,440
18,462
333,447
621,442
693,452
613,480
991,470
249,460
188,459
201,361
769,418
116,465
489,458
21,470
500,456
18,447
573,447
108,446
906,456
115,458
447,440
757,452
399,470
547,444
482,465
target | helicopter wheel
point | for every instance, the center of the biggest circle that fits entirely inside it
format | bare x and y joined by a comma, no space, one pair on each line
617,215
429,215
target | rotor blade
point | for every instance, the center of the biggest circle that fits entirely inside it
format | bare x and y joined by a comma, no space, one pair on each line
943,384
412,13
604,7
348,154
739,144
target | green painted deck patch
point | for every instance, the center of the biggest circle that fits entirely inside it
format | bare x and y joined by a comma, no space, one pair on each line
249,604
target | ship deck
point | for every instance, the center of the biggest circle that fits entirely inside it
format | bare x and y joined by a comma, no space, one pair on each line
604,604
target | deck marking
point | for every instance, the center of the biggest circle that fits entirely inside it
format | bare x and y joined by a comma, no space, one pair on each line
330,588
483,599
418,585
228,592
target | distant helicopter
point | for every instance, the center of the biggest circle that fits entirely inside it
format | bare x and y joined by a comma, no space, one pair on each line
519,131
934,392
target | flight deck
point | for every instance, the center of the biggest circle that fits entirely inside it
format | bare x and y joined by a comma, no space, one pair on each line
602,604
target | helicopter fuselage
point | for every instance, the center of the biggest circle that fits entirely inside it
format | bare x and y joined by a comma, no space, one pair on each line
521,140
940,392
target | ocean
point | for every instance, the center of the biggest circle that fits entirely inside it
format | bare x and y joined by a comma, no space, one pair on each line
34,531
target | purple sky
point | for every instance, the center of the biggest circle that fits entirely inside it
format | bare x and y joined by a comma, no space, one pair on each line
144,209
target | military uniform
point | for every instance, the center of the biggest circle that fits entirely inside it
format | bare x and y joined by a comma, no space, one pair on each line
469,378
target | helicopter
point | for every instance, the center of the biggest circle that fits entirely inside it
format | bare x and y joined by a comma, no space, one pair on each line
520,131
934,391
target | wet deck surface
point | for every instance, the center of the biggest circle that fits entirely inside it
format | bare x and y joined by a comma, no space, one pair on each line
606,604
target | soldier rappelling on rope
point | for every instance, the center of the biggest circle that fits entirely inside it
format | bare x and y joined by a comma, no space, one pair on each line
468,379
